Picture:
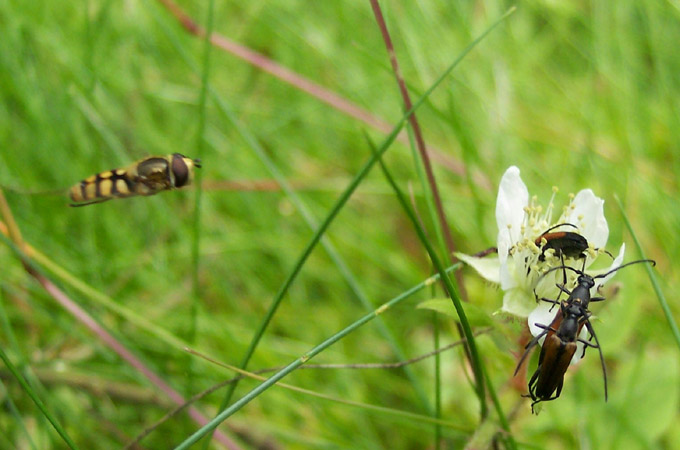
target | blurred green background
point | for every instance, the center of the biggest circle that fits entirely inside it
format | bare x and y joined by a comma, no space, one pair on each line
577,94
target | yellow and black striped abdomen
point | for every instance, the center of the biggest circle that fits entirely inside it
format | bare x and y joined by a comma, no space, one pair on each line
103,186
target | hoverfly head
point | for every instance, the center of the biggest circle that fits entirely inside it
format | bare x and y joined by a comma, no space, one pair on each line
183,169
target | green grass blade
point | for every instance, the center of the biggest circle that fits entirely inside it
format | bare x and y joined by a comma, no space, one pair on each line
451,288
653,279
200,150
9,333
196,219
437,382
196,223
366,406
319,231
307,356
29,390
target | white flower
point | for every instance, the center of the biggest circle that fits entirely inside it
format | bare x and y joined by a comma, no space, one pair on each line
517,267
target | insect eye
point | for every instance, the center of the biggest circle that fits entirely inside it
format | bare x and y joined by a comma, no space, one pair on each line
180,170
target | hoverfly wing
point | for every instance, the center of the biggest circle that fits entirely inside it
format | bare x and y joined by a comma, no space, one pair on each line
153,176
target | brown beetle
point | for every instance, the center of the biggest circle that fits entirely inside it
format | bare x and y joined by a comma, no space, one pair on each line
561,336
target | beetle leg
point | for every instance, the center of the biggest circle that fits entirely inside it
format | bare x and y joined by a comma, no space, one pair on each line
546,328
588,343
563,289
532,384
559,389
549,300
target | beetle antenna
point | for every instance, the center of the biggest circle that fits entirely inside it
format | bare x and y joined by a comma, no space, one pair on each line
627,264
604,368
552,269
529,346
605,251
557,226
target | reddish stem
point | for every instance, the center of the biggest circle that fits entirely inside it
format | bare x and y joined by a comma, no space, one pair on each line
420,142
304,84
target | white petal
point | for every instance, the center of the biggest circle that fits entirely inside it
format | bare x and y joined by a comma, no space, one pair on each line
544,313
579,346
513,197
503,244
507,275
515,301
510,278
488,267
588,215
617,263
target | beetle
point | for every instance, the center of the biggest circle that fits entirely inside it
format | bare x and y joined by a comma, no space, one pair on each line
148,176
561,336
564,243
558,350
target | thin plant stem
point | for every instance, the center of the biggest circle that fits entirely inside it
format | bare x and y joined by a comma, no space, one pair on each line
196,219
435,202
415,126
437,381
200,147
411,416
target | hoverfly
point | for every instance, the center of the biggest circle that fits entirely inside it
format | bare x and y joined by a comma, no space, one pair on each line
147,176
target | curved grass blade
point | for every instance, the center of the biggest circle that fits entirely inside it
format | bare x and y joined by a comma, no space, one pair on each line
652,278
306,357
342,266
451,288
383,147
41,406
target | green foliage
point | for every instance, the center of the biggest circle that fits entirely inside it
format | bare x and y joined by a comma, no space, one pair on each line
577,94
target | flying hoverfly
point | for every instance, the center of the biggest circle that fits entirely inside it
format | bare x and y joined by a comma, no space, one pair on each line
147,176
